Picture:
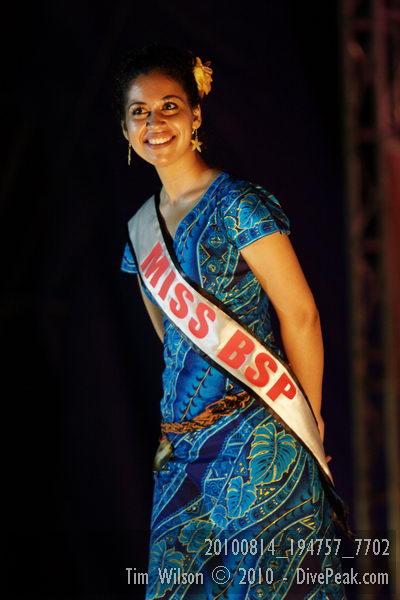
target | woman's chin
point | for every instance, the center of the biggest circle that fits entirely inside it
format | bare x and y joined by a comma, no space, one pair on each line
166,159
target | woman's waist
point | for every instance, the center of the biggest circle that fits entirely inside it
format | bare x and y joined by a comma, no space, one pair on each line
200,438
209,414
186,398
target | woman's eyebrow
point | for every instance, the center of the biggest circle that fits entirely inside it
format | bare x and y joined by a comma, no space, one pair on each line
163,98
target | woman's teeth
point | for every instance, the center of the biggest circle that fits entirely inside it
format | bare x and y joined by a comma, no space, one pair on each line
160,141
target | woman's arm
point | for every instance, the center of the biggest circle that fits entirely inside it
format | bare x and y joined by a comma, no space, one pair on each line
155,313
274,262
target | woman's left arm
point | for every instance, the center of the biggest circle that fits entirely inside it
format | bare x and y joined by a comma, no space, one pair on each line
275,264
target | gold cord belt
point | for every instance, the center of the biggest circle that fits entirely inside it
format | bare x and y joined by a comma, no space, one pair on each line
210,414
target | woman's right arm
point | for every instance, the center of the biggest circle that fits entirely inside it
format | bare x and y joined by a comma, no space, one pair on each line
155,314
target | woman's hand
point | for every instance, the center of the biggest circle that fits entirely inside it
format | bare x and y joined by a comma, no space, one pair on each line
321,427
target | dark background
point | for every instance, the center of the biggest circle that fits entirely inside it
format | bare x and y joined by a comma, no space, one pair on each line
82,365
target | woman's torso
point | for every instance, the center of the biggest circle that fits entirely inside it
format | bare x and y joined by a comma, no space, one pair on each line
207,245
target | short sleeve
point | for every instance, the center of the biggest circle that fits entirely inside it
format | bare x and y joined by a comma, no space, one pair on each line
128,263
253,214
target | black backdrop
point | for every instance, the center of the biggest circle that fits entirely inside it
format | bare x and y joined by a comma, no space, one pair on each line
81,363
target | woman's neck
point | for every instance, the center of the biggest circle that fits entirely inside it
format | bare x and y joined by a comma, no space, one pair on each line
181,182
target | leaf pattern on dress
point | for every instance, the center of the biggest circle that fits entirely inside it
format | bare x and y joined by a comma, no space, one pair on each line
271,454
160,559
194,534
239,498
252,212
219,516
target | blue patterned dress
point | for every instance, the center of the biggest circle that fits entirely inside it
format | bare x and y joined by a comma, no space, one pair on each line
239,502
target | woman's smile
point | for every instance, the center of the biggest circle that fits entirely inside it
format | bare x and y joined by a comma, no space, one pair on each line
159,142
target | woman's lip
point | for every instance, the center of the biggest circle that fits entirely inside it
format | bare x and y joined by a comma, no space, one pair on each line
160,145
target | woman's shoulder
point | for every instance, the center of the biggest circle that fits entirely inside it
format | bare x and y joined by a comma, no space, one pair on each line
236,193
236,189
248,209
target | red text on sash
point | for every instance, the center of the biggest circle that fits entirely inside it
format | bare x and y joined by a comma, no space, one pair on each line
240,345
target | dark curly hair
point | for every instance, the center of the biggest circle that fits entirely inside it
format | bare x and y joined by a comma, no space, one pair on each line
172,61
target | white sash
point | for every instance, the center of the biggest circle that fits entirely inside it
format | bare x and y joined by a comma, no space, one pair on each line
230,346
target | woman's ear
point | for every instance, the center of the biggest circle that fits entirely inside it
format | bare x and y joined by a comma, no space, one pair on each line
124,130
197,118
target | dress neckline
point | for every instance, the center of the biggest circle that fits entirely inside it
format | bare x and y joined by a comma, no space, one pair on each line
200,201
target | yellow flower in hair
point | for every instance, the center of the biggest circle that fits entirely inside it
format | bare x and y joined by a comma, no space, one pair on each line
202,73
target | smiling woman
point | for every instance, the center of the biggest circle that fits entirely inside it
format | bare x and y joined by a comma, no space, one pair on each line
137,125
241,460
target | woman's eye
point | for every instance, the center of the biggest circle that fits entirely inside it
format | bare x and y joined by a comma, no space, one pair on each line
139,111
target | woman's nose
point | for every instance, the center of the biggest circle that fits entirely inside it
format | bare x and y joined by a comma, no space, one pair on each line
155,119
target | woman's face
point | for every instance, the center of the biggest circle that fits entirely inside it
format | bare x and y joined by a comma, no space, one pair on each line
159,119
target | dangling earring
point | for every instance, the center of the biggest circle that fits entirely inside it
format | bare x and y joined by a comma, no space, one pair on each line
129,153
196,143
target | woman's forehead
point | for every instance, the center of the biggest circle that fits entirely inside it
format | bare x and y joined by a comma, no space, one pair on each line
154,86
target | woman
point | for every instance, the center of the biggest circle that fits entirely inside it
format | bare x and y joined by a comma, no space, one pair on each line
238,497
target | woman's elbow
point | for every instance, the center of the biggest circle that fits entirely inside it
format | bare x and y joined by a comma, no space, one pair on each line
302,316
